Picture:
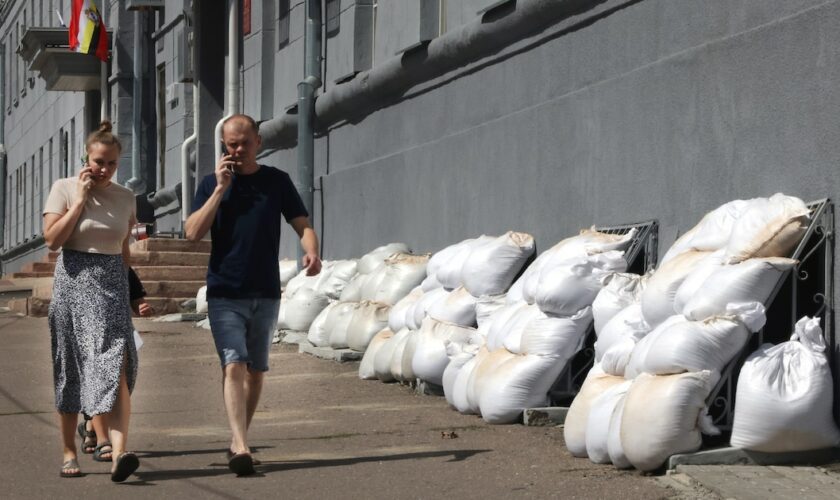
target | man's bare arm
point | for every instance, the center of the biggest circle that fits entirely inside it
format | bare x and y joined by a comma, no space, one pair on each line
309,244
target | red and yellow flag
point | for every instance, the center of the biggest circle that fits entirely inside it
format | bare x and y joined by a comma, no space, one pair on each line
87,30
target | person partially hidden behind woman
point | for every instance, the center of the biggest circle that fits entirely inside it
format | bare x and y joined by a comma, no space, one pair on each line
93,351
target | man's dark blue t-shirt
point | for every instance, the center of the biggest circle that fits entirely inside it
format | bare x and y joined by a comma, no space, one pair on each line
246,233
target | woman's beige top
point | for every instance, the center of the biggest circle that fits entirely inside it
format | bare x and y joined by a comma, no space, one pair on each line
105,221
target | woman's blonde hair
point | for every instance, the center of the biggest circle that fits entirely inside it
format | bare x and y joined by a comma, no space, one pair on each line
104,136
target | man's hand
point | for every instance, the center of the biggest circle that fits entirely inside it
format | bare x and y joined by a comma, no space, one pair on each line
312,264
142,308
224,171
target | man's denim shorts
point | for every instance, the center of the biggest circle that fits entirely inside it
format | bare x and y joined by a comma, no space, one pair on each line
243,329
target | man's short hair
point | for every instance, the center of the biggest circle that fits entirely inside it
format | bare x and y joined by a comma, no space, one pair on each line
242,118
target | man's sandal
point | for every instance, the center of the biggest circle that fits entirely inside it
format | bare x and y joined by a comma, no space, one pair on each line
126,464
254,461
100,450
71,468
241,464
88,438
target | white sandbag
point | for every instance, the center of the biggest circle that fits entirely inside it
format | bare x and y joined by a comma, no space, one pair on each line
614,447
201,300
450,273
302,309
288,270
397,314
281,316
301,282
680,246
616,358
367,368
403,272
518,383
556,336
430,282
628,323
574,284
333,281
443,256
398,355
664,415
514,293
577,419
415,315
405,372
485,308
752,280
661,289
768,227
495,328
785,395
715,228
619,291
352,291
430,357
374,281
692,283
338,321
376,258
600,417
318,334
695,345
457,307
490,268
459,386
382,360
644,345
367,320
486,362
511,333
459,354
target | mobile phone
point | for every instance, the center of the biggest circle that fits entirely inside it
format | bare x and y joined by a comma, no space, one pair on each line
224,153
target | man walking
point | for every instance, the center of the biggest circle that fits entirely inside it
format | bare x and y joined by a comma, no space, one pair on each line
240,204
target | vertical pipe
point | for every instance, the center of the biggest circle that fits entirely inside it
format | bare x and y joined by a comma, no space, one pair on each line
187,188
232,81
2,148
306,104
136,182
104,111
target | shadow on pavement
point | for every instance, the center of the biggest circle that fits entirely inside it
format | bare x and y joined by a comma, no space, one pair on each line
184,453
268,467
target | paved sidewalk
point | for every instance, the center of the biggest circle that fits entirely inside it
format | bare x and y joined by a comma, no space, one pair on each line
321,433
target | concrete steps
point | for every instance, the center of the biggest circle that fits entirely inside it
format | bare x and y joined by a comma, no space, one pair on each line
171,270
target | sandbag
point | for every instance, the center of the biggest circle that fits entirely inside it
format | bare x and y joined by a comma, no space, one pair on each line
574,284
485,308
661,289
769,227
415,315
519,383
397,358
628,323
644,345
430,282
577,419
403,272
337,323
374,281
752,280
367,320
680,246
556,336
318,334
458,398
302,309
486,364
457,307
714,230
619,291
397,314
352,291
489,269
694,280
785,395
449,274
511,333
430,357
336,277
367,369
459,354
495,328
664,415
288,270
376,258
382,360
301,282
600,417
614,448
406,370
201,300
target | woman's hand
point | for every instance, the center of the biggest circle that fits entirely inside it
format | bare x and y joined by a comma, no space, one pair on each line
84,184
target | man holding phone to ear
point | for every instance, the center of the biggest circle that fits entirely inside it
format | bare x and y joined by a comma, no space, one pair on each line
240,204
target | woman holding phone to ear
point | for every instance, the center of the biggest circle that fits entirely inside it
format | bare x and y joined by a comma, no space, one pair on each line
94,357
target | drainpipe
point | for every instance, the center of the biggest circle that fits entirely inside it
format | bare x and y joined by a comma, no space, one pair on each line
306,104
232,77
136,183
187,189
2,149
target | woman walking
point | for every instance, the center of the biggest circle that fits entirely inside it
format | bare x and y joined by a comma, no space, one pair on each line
94,356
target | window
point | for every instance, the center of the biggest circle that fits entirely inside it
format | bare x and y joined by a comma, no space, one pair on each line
283,11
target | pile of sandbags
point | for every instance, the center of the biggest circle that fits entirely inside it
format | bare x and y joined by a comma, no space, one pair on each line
785,395
288,270
367,268
679,329
306,296
534,331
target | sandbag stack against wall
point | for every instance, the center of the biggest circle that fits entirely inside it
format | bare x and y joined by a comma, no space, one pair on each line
785,395
694,316
541,325
306,296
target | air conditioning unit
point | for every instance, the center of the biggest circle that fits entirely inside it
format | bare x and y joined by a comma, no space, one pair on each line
144,4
